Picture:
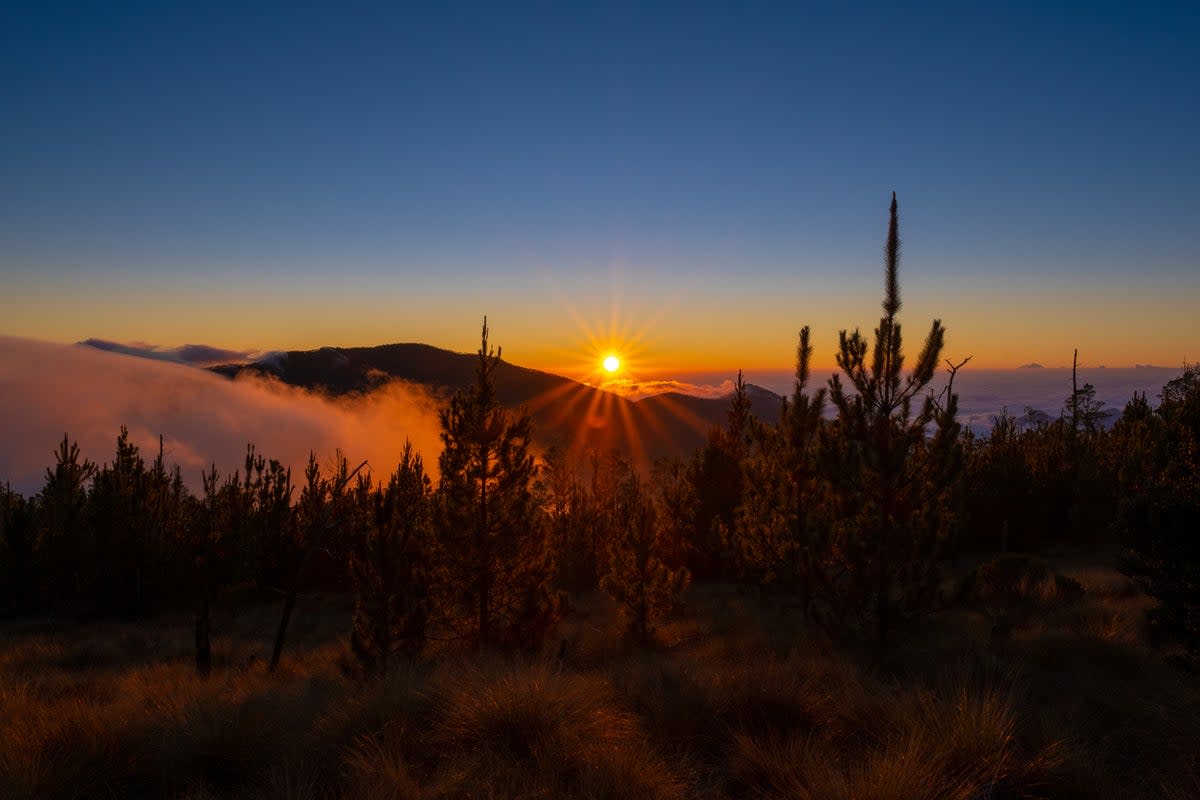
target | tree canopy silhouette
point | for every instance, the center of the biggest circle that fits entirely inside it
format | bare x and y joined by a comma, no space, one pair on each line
493,546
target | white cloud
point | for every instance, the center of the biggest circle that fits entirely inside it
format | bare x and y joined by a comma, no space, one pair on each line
637,390
50,389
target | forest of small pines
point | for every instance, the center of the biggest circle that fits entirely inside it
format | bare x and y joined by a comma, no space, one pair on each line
856,599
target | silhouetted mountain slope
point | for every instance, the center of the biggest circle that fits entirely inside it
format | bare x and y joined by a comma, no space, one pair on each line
565,412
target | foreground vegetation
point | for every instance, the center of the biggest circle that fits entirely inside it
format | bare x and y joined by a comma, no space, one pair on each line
732,702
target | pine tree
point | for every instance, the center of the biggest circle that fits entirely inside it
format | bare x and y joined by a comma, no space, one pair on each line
120,516
209,527
325,513
389,565
779,539
65,544
676,502
1000,487
565,505
18,577
493,548
637,578
892,487
220,528
716,478
597,520
1091,491
273,544
170,508
1158,522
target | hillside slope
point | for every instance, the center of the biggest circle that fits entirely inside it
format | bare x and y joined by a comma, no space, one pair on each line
565,413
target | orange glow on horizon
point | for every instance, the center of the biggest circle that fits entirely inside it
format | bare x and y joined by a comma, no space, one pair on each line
612,356
568,330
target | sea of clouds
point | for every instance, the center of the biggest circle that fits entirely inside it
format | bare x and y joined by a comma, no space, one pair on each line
89,391
48,389
984,394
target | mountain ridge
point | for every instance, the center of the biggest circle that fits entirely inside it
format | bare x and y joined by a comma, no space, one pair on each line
574,416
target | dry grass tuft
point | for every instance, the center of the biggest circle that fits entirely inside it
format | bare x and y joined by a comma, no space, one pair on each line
734,701
526,728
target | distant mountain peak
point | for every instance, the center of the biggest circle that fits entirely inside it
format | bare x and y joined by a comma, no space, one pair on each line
196,355
565,412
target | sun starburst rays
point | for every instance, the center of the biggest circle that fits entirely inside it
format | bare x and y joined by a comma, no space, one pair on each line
610,358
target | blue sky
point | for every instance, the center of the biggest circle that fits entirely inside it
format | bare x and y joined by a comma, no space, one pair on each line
284,176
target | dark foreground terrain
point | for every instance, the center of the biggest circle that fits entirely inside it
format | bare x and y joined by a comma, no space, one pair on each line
732,701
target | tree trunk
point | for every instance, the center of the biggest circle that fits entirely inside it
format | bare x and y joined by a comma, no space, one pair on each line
281,633
484,552
203,644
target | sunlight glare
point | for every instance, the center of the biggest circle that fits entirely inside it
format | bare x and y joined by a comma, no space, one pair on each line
612,363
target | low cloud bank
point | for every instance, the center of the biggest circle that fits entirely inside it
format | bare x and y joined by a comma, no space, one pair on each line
88,393
984,394
637,390
199,355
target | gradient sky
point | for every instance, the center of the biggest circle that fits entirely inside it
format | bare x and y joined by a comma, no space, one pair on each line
703,177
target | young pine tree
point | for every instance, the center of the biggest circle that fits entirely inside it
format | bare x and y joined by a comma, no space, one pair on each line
494,551
596,520
999,488
18,578
206,540
577,519
221,528
1159,520
65,544
637,578
675,500
893,488
273,543
389,566
716,478
779,539
120,511
326,513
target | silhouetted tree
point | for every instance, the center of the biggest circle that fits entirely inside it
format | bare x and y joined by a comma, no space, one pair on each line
18,537
137,514
117,506
272,548
493,547
223,527
325,509
1159,523
780,540
389,565
171,508
675,499
1000,489
565,506
65,542
597,519
891,486
1180,402
716,478
639,580
218,507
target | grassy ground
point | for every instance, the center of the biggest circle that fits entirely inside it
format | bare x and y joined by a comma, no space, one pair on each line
733,702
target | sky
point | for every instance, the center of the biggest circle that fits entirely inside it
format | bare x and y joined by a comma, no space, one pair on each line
687,184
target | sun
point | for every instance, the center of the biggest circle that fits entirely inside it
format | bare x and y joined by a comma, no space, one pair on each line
612,363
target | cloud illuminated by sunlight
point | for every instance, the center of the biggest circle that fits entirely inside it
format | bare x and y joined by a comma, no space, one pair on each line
614,350
637,390
47,390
